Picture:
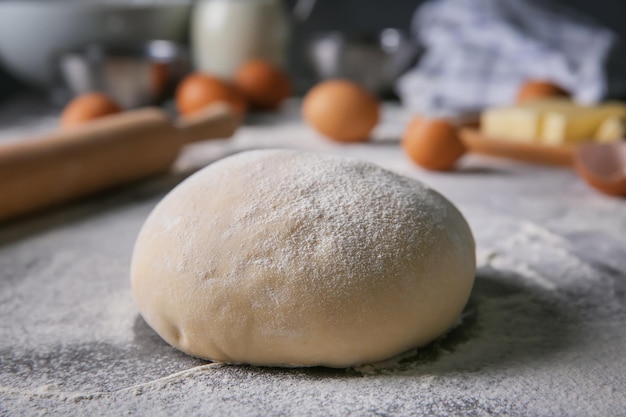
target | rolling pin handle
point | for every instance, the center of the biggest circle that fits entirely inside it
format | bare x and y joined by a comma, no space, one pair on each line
215,122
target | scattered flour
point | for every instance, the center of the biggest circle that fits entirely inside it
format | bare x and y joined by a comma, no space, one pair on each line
543,334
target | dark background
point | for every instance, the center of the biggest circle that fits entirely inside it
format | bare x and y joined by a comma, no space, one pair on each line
366,16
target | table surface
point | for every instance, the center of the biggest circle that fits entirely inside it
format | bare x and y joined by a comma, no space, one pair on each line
544,332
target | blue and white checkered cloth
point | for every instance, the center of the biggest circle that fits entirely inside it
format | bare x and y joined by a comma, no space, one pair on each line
478,53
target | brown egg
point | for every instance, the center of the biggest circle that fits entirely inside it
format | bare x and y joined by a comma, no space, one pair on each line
264,85
86,108
198,91
341,110
539,89
433,144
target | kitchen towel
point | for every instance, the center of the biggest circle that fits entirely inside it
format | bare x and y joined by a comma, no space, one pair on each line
479,52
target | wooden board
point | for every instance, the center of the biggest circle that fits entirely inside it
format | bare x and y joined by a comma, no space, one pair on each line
476,142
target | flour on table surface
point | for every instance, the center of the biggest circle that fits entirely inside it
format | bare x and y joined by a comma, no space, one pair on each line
543,333
521,330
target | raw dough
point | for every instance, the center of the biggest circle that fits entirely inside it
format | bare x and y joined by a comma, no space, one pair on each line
298,259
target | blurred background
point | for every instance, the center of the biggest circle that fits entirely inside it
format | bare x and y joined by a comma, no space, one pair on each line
360,21
532,80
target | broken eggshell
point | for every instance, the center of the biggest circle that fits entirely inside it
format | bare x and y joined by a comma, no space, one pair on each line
603,166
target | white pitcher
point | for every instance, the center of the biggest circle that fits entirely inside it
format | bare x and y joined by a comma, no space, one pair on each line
227,33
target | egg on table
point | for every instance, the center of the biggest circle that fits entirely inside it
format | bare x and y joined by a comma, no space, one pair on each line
433,144
341,110
264,85
88,107
198,91
539,89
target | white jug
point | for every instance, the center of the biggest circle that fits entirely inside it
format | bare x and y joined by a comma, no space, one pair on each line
227,33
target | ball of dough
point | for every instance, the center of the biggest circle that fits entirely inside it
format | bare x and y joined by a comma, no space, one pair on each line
289,258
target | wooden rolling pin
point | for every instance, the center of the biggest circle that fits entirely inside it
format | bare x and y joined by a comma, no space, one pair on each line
45,171
476,142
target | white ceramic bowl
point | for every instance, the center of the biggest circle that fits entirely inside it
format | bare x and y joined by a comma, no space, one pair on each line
33,33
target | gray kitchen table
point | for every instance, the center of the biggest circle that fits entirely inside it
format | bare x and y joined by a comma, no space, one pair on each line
544,332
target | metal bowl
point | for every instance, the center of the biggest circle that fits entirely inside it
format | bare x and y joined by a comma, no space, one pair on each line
133,76
374,61
33,32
